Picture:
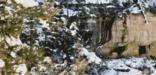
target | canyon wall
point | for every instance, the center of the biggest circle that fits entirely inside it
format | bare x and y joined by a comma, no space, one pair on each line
131,36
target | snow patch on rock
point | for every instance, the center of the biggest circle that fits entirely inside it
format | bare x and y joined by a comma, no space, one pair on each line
45,24
91,56
47,59
27,3
2,63
21,69
13,54
12,41
69,12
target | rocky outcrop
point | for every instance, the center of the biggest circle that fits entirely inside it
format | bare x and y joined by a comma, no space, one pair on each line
132,36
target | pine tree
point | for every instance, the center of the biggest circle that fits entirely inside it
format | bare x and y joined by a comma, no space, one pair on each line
12,23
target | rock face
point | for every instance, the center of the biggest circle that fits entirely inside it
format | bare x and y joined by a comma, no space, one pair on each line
132,36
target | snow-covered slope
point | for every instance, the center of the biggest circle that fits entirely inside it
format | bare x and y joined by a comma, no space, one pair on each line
126,66
98,1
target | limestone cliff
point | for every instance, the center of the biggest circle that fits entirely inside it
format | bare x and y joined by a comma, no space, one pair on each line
132,36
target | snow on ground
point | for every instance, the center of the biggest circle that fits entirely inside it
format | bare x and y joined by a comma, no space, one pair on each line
41,37
98,1
154,73
131,72
129,66
134,10
91,56
110,72
69,12
135,62
27,3
152,3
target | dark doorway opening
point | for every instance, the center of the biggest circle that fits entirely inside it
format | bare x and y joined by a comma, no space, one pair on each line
142,50
119,50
